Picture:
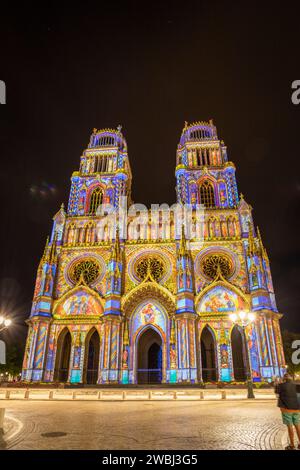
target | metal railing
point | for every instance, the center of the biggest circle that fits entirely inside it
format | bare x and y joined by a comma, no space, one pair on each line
91,376
209,374
149,376
63,375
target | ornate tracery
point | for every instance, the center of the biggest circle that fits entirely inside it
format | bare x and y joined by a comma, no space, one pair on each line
96,200
212,263
207,194
151,265
88,269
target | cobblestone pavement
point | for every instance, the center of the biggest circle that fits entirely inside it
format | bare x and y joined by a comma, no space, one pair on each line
142,425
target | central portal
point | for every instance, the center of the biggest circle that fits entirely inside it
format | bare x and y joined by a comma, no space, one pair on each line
149,357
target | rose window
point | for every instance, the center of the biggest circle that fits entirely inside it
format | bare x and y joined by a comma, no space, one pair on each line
89,269
151,265
211,264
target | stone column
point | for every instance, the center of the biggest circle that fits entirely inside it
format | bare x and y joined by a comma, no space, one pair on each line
77,357
253,346
110,350
29,352
125,353
279,346
267,370
225,366
186,348
40,350
172,360
51,354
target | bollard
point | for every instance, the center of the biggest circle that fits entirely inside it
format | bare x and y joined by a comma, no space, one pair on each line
201,395
26,394
7,394
223,394
99,395
2,413
51,395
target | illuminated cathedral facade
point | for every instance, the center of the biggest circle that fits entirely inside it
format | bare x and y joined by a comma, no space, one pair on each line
144,301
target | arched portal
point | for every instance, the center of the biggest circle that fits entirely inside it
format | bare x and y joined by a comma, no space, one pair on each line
91,360
238,354
208,355
149,357
63,356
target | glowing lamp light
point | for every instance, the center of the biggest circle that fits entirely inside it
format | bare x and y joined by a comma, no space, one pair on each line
233,317
242,315
7,322
1,320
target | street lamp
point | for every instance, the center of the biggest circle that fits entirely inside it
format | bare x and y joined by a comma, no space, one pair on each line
244,319
4,323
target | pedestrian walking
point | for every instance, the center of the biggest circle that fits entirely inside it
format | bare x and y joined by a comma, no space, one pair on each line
290,409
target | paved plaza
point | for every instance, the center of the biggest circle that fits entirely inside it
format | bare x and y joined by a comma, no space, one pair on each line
136,425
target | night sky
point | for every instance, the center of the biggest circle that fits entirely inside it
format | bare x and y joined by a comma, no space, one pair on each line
148,66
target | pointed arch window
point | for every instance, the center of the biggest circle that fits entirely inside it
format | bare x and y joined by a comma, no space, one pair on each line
96,200
207,194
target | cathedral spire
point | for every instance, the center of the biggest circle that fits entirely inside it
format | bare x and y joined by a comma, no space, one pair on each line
252,250
261,246
182,246
114,278
45,254
126,334
184,272
53,254
116,249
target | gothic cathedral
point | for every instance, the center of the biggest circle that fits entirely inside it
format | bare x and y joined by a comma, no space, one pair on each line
148,299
